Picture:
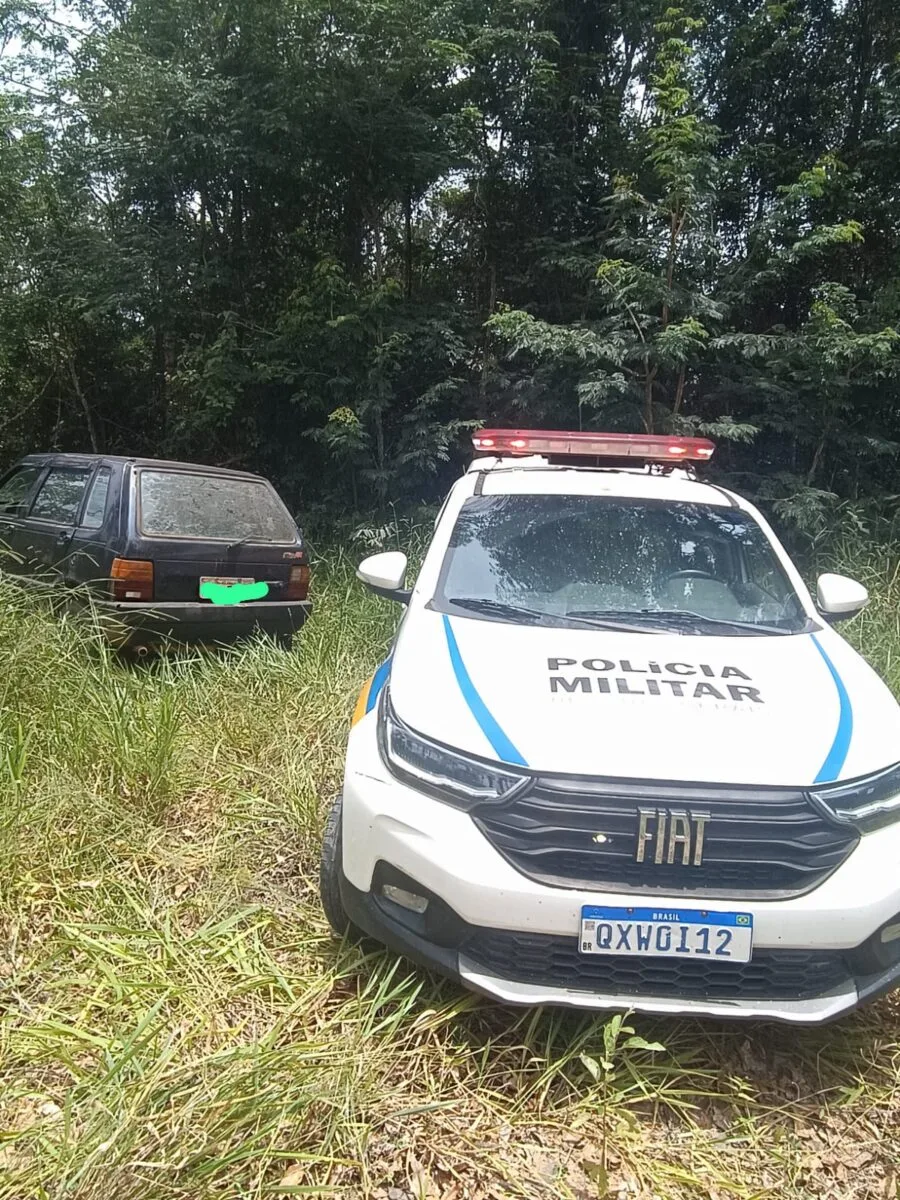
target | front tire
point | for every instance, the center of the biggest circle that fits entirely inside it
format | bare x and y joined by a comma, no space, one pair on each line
330,872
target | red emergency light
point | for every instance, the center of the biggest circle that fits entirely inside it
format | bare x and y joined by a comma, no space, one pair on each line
582,444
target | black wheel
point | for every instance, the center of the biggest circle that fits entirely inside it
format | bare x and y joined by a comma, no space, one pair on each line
329,872
284,641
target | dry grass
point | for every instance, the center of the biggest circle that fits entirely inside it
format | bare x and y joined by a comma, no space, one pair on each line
177,1021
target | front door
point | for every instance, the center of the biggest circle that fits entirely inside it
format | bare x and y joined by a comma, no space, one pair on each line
16,491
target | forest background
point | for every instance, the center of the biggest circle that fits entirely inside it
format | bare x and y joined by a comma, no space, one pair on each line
323,239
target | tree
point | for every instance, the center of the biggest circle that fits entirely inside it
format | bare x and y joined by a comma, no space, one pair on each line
324,239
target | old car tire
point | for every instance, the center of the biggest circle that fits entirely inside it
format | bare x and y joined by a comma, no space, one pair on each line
329,872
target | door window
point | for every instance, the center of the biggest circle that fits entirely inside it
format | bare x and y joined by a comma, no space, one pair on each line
15,489
60,496
95,507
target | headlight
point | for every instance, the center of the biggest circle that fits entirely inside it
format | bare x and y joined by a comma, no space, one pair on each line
455,778
868,802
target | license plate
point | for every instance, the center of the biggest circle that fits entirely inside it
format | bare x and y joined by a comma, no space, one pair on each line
667,933
224,580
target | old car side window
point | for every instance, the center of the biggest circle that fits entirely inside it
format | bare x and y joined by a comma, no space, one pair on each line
15,489
60,496
95,508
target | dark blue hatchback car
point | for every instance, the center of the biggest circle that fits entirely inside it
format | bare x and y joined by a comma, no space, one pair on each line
139,538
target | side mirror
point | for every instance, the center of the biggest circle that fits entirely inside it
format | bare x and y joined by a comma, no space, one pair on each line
839,597
384,574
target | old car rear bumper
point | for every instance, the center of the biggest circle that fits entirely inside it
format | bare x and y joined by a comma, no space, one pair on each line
130,624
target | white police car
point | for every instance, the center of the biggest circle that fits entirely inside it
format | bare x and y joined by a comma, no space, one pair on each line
618,757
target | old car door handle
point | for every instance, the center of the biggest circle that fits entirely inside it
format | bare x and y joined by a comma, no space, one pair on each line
61,539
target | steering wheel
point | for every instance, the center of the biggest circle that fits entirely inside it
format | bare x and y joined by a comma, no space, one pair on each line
690,573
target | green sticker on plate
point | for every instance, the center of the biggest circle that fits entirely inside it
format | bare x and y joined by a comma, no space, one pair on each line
233,593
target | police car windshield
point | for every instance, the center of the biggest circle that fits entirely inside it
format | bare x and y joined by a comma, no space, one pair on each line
651,564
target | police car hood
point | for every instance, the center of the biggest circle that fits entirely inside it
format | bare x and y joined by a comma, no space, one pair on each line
785,710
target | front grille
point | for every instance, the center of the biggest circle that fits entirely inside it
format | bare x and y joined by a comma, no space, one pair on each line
556,962
757,843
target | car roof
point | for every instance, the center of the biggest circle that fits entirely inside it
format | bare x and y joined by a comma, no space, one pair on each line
139,461
508,477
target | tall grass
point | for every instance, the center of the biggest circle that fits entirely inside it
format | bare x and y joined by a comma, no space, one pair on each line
176,1020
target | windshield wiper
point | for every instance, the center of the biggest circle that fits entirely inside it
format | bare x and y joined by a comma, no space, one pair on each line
512,612
251,537
680,617
497,608
691,616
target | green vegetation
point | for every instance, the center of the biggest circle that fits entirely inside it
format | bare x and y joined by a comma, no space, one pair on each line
177,1022
321,238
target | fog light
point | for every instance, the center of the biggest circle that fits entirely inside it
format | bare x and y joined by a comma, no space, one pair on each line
405,899
881,951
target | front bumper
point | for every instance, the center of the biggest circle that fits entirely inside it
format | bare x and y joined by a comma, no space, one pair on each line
129,624
393,926
816,956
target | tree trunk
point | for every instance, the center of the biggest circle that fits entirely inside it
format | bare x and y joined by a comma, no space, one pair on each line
383,398
237,230
649,379
862,70
407,244
159,356
353,232
86,408
679,388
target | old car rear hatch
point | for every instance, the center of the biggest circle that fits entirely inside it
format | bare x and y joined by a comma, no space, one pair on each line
207,526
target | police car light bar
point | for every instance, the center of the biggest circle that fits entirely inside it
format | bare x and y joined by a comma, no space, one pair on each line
558,442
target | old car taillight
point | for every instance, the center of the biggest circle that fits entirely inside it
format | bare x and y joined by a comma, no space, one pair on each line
298,584
132,579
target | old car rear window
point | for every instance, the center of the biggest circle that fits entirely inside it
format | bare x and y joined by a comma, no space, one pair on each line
185,505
